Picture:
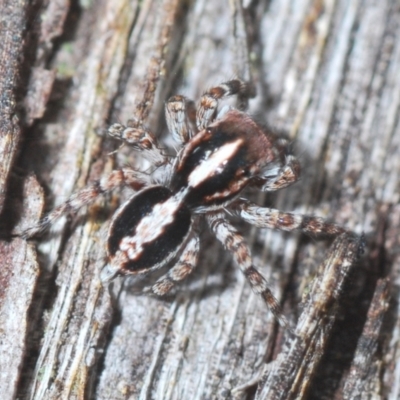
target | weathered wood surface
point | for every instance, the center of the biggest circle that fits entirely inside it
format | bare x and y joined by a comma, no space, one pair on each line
327,76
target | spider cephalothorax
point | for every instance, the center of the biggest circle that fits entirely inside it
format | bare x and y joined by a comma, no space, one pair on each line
221,153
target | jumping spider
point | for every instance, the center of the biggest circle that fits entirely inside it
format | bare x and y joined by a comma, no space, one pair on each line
222,152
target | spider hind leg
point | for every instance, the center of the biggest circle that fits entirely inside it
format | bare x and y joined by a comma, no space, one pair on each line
235,243
184,266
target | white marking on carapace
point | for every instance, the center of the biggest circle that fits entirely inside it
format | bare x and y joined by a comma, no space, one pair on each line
215,164
151,227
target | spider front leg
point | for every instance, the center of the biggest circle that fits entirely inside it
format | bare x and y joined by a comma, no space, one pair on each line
235,243
209,100
140,139
185,265
87,195
180,115
264,217
281,176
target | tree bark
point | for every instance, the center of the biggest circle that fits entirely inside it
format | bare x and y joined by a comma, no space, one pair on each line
326,77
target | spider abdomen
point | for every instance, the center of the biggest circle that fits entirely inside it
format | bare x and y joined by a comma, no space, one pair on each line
148,230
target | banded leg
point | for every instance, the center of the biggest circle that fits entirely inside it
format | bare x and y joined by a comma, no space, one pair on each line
87,195
283,172
185,265
236,244
140,139
288,174
209,100
264,217
180,114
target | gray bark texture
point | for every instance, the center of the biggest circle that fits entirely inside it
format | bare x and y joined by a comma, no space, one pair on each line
327,76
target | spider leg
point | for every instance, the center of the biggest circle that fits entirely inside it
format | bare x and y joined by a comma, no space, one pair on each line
209,100
180,114
280,175
140,139
264,217
87,195
185,265
235,243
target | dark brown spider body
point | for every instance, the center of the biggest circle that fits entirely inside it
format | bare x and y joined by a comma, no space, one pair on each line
141,236
210,172
215,166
